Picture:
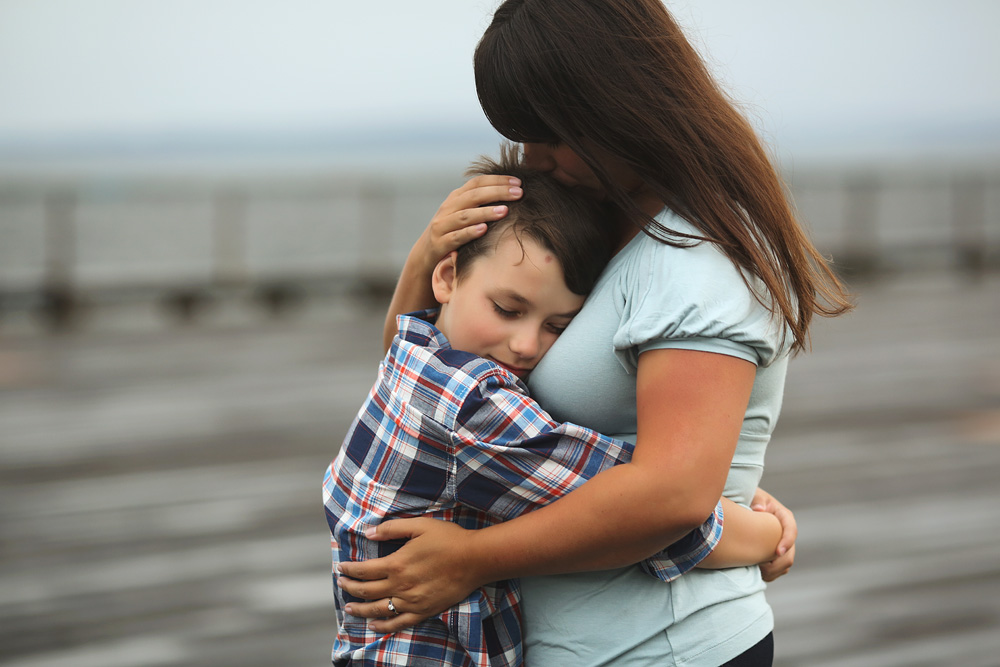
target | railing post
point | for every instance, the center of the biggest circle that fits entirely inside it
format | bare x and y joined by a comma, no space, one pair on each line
228,256
376,227
60,301
861,242
969,224
229,239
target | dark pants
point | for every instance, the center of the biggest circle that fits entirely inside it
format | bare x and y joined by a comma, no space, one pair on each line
760,654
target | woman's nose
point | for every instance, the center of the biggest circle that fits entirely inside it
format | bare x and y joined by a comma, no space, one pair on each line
538,156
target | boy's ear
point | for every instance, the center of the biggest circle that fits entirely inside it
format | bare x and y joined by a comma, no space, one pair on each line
444,278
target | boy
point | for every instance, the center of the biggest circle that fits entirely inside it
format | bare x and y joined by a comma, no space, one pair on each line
449,430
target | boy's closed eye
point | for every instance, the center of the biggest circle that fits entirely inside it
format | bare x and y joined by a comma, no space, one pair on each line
503,312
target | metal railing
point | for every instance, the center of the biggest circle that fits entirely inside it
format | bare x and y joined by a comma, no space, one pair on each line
874,221
278,238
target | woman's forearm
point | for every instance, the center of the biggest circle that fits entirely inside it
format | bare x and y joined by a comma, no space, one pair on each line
594,527
413,291
690,408
617,518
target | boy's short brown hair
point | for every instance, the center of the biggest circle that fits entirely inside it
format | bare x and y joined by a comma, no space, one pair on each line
575,229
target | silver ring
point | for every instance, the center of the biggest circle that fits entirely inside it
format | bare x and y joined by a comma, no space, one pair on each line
392,608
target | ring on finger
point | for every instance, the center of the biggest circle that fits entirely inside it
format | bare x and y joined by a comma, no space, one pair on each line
392,607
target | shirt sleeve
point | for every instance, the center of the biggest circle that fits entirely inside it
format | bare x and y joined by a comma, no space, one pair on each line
512,457
692,298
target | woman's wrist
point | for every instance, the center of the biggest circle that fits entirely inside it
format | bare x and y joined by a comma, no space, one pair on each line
482,563
421,260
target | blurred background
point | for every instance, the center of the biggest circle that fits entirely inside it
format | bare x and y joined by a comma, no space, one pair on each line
204,205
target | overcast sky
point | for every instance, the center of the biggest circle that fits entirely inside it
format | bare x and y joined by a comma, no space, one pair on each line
71,69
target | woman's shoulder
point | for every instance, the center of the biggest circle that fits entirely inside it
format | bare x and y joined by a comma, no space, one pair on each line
690,294
687,267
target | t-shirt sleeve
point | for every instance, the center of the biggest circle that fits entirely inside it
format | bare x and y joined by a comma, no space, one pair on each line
512,457
691,298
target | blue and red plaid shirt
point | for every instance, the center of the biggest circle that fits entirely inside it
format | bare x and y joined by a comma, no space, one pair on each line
450,435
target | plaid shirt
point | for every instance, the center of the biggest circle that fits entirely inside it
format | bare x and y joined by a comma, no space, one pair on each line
450,435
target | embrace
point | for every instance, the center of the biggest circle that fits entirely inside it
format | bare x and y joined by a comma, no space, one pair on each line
586,354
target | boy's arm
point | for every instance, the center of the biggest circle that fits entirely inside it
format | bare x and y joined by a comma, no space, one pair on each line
749,538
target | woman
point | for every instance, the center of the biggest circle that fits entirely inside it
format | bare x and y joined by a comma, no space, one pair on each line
682,346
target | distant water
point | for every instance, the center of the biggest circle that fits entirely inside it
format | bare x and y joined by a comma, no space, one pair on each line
399,151
395,152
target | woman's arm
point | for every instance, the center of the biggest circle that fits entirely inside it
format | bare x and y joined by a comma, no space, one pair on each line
460,219
690,409
748,538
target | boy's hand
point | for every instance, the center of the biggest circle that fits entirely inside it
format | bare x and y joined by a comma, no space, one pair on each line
426,576
785,554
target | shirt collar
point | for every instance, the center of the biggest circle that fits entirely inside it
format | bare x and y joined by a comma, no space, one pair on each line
418,328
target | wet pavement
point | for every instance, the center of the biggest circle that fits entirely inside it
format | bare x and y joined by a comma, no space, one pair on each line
160,485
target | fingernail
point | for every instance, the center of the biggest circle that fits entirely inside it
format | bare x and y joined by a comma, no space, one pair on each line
499,210
757,508
517,192
340,570
515,181
371,532
781,551
348,609
371,626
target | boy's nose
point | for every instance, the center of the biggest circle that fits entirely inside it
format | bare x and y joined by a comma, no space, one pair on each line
538,156
525,344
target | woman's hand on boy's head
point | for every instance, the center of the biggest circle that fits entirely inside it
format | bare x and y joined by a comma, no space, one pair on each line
426,576
785,554
460,219
462,216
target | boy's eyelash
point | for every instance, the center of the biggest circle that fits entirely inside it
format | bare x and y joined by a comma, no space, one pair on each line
511,314
503,312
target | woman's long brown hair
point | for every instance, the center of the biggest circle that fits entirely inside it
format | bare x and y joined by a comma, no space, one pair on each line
620,75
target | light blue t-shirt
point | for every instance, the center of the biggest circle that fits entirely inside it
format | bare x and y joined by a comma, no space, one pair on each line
652,296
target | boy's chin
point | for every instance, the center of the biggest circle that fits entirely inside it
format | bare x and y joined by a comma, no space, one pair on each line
521,373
